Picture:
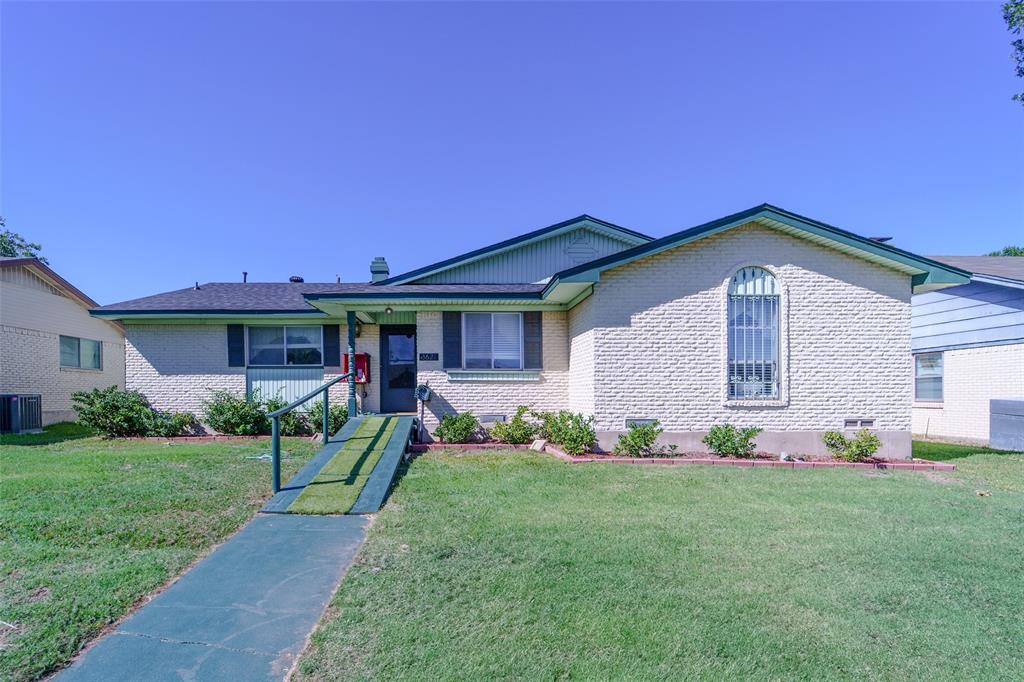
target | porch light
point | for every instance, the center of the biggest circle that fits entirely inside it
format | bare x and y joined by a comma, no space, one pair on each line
388,310
359,329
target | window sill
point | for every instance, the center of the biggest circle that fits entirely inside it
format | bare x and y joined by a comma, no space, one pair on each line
493,375
87,370
928,404
756,403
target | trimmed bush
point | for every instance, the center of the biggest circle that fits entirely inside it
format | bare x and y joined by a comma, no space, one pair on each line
516,431
862,446
458,428
171,424
236,415
572,431
293,423
727,440
115,413
641,440
336,418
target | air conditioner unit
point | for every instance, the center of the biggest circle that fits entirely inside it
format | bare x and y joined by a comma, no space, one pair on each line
21,413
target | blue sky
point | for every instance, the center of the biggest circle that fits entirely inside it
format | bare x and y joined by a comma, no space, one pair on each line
150,145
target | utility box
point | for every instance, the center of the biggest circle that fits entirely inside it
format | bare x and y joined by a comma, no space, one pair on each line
1006,424
362,367
21,413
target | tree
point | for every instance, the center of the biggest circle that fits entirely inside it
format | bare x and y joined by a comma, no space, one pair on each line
1008,251
1013,14
14,245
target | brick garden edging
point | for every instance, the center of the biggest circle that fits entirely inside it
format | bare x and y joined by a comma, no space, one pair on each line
424,447
912,465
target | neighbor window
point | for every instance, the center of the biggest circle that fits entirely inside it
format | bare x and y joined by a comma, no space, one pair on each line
286,345
81,353
753,330
492,340
928,377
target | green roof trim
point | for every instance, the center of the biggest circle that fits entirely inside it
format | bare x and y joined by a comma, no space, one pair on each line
928,271
412,275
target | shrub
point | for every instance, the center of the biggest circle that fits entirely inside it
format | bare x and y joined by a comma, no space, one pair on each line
293,423
863,444
113,412
729,441
641,440
119,414
458,428
517,431
336,417
236,415
171,424
572,431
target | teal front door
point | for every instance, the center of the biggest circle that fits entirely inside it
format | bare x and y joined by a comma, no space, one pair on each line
398,368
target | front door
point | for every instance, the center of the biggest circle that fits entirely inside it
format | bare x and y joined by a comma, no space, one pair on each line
398,368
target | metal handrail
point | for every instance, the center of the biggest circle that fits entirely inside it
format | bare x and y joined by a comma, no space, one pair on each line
275,423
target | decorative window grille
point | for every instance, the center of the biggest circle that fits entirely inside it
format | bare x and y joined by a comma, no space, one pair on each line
753,357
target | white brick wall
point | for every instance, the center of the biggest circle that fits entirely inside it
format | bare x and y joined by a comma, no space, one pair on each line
659,341
32,319
971,377
178,366
551,392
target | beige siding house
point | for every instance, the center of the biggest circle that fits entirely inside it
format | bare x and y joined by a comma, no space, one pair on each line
49,343
762,318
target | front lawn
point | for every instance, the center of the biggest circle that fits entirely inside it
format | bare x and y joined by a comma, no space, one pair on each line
515,565
88,527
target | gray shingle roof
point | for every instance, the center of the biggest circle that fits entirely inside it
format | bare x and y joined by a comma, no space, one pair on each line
286,297
1007,267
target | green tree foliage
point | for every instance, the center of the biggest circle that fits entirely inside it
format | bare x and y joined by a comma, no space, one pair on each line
1008,251
1013,14
14,245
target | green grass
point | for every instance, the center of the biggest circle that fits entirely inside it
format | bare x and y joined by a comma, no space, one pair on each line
518,566
88,527
54,433
984,467
336,488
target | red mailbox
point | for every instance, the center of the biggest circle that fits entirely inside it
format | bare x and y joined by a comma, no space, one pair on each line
362,367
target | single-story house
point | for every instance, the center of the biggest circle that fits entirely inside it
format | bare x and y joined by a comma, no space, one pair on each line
968,344
762,318
50,346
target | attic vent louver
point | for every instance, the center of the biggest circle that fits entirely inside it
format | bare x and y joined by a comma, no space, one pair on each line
295,279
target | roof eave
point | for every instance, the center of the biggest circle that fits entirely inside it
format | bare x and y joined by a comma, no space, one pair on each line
925,272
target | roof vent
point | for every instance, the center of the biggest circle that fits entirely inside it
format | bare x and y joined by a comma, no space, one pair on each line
379,270
295,279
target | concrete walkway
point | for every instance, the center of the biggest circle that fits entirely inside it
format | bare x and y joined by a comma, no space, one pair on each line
243,613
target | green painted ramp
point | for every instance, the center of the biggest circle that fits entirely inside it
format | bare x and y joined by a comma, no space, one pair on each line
371,498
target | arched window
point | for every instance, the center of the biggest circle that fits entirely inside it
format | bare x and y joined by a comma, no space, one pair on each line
753,335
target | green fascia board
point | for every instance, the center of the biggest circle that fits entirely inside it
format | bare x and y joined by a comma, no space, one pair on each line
932,271
623,232
205,314
395,296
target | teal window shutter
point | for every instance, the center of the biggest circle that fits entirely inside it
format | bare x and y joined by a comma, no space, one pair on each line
533,342
451,345
236,345
332,345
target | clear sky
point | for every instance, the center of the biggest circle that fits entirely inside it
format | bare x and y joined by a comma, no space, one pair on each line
149,145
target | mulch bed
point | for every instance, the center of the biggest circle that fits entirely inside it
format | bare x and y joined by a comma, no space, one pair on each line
760,459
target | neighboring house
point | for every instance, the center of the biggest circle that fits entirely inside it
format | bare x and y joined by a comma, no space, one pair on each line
968,344
50,345
760,318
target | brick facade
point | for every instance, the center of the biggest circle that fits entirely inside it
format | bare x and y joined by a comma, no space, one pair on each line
33,316
650,343
971,377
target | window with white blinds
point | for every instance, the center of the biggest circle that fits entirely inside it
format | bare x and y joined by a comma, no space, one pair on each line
492,340
753,329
